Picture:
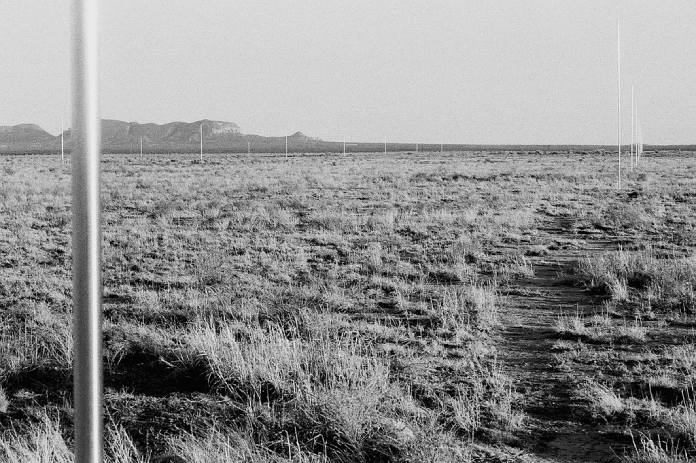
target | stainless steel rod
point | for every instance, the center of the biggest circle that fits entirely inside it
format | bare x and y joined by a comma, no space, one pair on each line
86,236
618,104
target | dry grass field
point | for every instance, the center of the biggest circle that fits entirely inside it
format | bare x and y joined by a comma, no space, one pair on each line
405,308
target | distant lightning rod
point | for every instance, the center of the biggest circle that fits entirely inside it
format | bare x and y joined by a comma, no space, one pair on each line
633,125
86,239
639,137
618,109
62,143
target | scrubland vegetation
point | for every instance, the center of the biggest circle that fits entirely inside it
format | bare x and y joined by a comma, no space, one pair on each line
348,309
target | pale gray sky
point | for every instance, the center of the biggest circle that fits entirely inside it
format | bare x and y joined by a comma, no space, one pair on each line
494,71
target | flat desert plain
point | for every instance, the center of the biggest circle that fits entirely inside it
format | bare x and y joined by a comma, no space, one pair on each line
409,307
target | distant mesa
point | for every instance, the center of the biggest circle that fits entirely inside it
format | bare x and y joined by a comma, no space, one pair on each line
299,136
119,133
23,134
126,137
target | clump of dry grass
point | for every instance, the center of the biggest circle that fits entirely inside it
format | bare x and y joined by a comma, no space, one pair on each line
601,328
225,446
43,442
656,451
4,402
251,359
330,387
680,421
39,337
601,400
466,308
488,400
666,283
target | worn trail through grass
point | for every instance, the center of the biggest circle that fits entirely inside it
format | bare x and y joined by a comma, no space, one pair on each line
525,351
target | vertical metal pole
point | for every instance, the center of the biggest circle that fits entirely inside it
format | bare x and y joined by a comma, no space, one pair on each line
286,146
201,142
141,146
344,145
86,239
248,147
62,143
385,145
639,138
618,115
633,125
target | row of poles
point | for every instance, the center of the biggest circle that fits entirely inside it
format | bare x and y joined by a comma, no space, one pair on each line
62,145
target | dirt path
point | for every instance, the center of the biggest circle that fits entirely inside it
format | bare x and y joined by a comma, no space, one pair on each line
527,335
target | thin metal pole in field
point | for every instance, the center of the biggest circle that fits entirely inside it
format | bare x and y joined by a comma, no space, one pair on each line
201,142
618,115
641,133
86,239
286,146
141,146
385,145
639,138
62,143
248,147
633,125
344,145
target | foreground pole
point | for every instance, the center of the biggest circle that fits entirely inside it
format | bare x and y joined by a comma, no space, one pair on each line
87,336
